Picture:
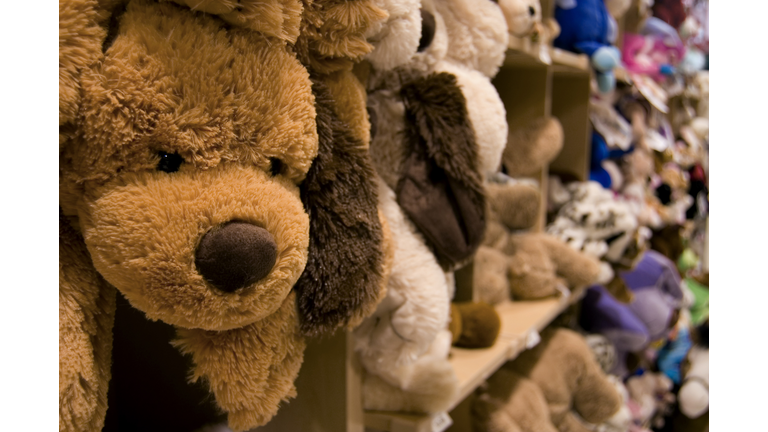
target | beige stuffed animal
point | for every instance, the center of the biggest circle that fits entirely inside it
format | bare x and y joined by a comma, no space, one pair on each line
576,389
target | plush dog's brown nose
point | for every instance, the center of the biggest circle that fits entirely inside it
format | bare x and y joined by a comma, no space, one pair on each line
235,255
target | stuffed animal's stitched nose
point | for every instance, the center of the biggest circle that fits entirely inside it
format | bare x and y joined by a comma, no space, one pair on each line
235,255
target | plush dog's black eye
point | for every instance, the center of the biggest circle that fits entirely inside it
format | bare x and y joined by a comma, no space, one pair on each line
531,11
169,162
275,166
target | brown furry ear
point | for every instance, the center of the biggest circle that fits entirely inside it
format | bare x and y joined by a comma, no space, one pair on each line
86,316
440,189
343,275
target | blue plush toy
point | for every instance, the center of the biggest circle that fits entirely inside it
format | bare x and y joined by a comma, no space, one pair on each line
601,152
588,28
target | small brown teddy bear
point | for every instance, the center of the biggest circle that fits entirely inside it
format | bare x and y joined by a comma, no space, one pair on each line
510,402
530,148
212,180
571,380
527,265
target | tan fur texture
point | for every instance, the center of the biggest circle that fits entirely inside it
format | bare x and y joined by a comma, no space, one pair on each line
80,37
570,378
250,369
515,205
530,148
350,97
510,402
490,282
86,307
538,261
279,19
333,33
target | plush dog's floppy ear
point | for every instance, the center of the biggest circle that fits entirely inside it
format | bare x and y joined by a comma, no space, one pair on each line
441,189
343,275
86,315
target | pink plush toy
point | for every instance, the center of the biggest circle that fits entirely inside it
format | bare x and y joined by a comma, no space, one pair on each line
651,55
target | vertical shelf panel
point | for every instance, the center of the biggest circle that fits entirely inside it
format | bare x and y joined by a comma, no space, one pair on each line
328,389
526,93
570,104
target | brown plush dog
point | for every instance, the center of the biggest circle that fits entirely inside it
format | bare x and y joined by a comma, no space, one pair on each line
209,179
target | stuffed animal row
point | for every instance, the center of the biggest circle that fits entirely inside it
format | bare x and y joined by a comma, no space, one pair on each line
438,131
214,170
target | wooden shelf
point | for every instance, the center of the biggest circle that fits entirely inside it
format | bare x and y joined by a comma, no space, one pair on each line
519,320
566,61
522,52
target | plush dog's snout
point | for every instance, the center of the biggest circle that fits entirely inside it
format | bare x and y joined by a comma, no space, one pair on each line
236,255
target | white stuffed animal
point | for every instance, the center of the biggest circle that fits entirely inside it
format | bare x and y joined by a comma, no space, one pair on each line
521,15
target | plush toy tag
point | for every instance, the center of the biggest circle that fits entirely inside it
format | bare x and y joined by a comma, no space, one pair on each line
612,126
564,291
440,422
532,339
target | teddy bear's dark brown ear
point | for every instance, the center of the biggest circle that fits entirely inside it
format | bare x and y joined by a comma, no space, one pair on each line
343,274
441,189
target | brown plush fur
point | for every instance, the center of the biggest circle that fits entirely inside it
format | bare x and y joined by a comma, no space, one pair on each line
474,324
333,33
516,205
249,369
343,280
510,402
237,108
441,190
570,378
538,261
489,276
530,148
86,307
80,37
279,18
349,96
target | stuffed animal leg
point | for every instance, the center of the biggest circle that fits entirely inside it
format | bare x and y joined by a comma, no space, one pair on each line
571,380
510,402
427,385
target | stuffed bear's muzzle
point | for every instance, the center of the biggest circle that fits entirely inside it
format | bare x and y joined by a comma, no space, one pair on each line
212,249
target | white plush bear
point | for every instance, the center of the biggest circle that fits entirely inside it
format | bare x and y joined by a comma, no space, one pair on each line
521,15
